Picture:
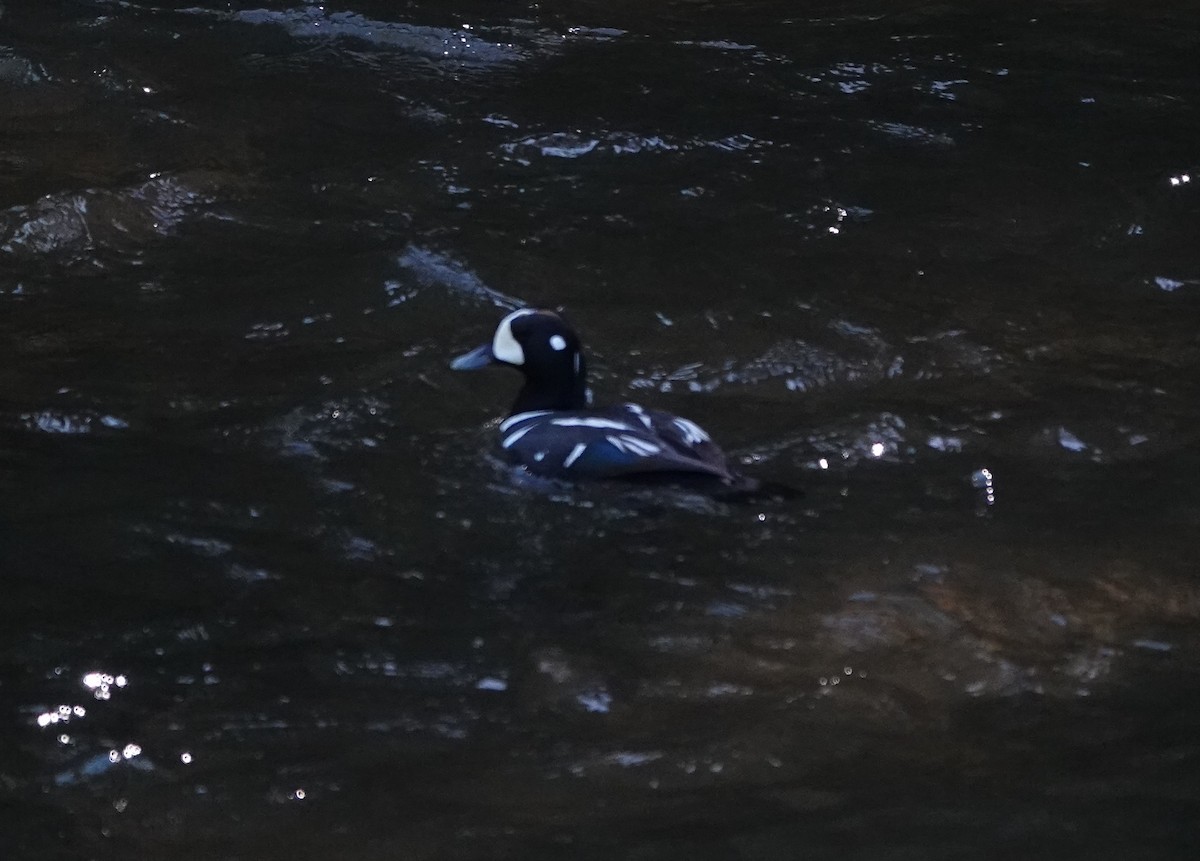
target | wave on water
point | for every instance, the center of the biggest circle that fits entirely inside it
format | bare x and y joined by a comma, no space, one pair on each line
463,44
71,223
430,268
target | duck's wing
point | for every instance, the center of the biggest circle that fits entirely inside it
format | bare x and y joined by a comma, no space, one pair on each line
682,435
598,444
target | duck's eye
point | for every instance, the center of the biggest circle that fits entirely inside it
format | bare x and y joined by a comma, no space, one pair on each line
558,342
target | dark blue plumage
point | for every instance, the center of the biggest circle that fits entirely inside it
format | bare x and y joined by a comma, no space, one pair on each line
551,432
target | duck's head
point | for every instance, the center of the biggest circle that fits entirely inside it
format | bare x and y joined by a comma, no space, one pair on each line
543,347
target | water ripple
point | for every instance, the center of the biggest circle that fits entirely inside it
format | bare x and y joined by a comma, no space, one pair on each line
464,45
72,225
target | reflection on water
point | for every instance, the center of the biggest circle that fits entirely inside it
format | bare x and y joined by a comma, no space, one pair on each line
269,594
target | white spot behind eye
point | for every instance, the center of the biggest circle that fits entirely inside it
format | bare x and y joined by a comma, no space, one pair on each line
558,342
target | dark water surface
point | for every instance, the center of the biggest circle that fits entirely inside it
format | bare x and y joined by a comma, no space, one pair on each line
266,594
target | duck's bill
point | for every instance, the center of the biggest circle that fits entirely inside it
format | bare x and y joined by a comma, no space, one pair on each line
478,358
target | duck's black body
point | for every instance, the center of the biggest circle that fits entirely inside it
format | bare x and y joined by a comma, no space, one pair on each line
617,442
551,432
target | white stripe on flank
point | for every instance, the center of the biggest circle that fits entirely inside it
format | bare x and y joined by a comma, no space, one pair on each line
575,453
692,434
633,445
642,446
591,423
520,417
512,438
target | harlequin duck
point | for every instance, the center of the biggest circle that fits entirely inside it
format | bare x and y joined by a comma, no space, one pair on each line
552,432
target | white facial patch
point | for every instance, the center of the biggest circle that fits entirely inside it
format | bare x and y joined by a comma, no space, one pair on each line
504,346
558,342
